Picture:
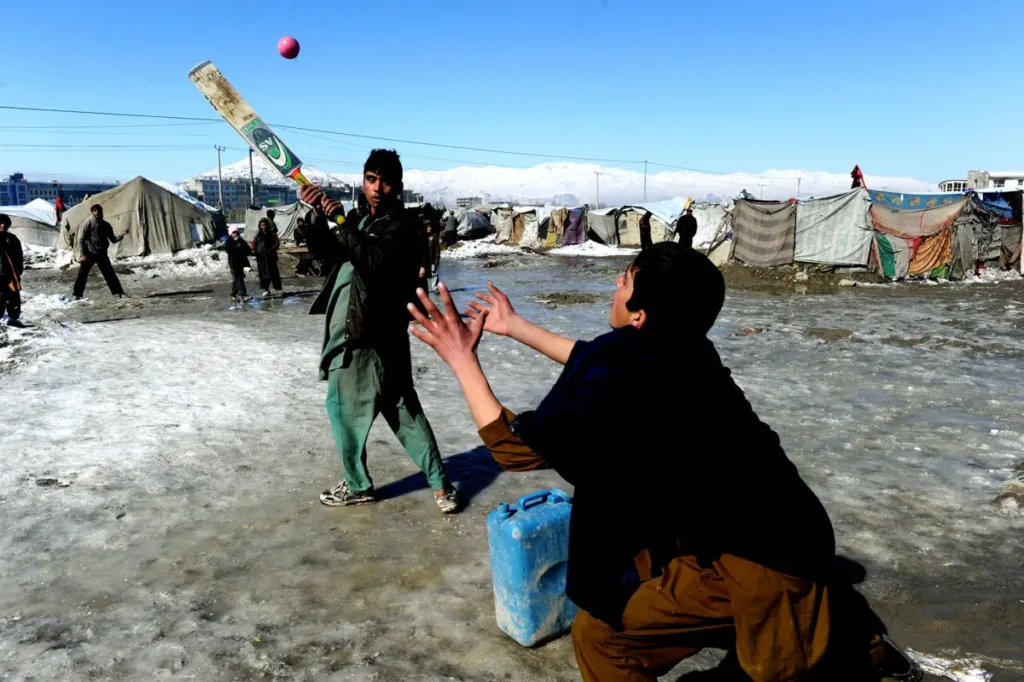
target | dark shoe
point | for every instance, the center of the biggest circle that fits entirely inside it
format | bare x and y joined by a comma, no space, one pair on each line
896,665
18,324
341,496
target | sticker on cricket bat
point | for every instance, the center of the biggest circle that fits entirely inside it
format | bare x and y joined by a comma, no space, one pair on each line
236,111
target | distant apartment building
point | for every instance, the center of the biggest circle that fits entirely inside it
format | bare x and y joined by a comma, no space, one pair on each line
17,191
995,179
14,191
953,186
236,193
468,202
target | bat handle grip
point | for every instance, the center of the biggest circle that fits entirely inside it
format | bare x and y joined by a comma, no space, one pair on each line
301,179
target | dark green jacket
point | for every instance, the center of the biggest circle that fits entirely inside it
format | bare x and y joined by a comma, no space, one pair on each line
384,256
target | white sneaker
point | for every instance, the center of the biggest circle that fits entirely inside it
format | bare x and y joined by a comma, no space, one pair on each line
266,294
447,500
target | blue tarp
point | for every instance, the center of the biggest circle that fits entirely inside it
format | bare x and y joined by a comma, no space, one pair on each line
994,202
912,202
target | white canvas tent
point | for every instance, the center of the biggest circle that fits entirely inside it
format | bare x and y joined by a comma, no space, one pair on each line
158,221
285,217
35,223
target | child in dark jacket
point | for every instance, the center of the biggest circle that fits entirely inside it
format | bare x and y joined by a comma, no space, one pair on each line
238,260
265,245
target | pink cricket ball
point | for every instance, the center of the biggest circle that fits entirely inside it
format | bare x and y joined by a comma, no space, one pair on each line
288,47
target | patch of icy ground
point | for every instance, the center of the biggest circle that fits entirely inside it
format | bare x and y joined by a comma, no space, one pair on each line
202,261
160,477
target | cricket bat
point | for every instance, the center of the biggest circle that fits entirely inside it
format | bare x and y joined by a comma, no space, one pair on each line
258,135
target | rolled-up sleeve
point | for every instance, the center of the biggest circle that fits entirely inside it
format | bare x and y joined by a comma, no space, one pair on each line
508,449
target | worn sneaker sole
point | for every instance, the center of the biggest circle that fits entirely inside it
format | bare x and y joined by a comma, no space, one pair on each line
327,498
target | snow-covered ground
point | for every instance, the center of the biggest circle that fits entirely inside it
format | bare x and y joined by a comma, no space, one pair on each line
482,248
162,458
592,250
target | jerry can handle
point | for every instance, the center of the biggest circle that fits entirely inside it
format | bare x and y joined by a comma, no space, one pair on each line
527,501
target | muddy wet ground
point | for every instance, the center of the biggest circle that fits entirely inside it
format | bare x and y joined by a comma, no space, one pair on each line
163,455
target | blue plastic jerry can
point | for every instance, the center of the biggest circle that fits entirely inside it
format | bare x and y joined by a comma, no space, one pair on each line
529,555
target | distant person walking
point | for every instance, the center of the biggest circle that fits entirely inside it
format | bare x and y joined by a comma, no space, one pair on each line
430,263
265,245
238,260
451,230
645,232
686,227
94,238
271,214
12,264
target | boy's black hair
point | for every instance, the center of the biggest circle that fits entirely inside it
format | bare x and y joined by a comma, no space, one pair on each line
95,207
388,165
5,220
681,291
271,213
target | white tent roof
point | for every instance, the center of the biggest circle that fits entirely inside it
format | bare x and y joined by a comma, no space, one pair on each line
667,211
39,210
174,189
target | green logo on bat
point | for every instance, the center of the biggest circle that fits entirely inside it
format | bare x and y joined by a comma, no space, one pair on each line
270,146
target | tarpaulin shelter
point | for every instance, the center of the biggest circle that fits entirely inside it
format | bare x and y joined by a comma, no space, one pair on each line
473,225
764,232
912,202
526,225
35,223
502,219
158,221
1007,205
576,227
712,224
920,242
627,223
835,230
982,221
553,227
601,225
285,217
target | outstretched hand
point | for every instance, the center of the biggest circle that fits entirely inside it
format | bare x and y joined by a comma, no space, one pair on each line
453,340
497,315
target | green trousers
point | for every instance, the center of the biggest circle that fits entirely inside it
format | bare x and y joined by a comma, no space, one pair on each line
370,383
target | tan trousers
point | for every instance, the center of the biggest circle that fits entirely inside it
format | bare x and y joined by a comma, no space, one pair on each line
777,624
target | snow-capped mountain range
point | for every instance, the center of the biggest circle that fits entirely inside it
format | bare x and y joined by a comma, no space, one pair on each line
572,184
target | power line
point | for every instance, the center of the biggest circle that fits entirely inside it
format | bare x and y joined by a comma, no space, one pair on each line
110,113
119,126
484,150
89,147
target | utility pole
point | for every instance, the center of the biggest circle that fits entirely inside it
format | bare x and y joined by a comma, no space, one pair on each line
252,181
761,185
220,177
798,180
597,177
645,181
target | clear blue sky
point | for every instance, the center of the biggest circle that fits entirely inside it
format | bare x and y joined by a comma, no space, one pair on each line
925,89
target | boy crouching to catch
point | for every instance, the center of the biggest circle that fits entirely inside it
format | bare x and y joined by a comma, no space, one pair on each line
679,539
